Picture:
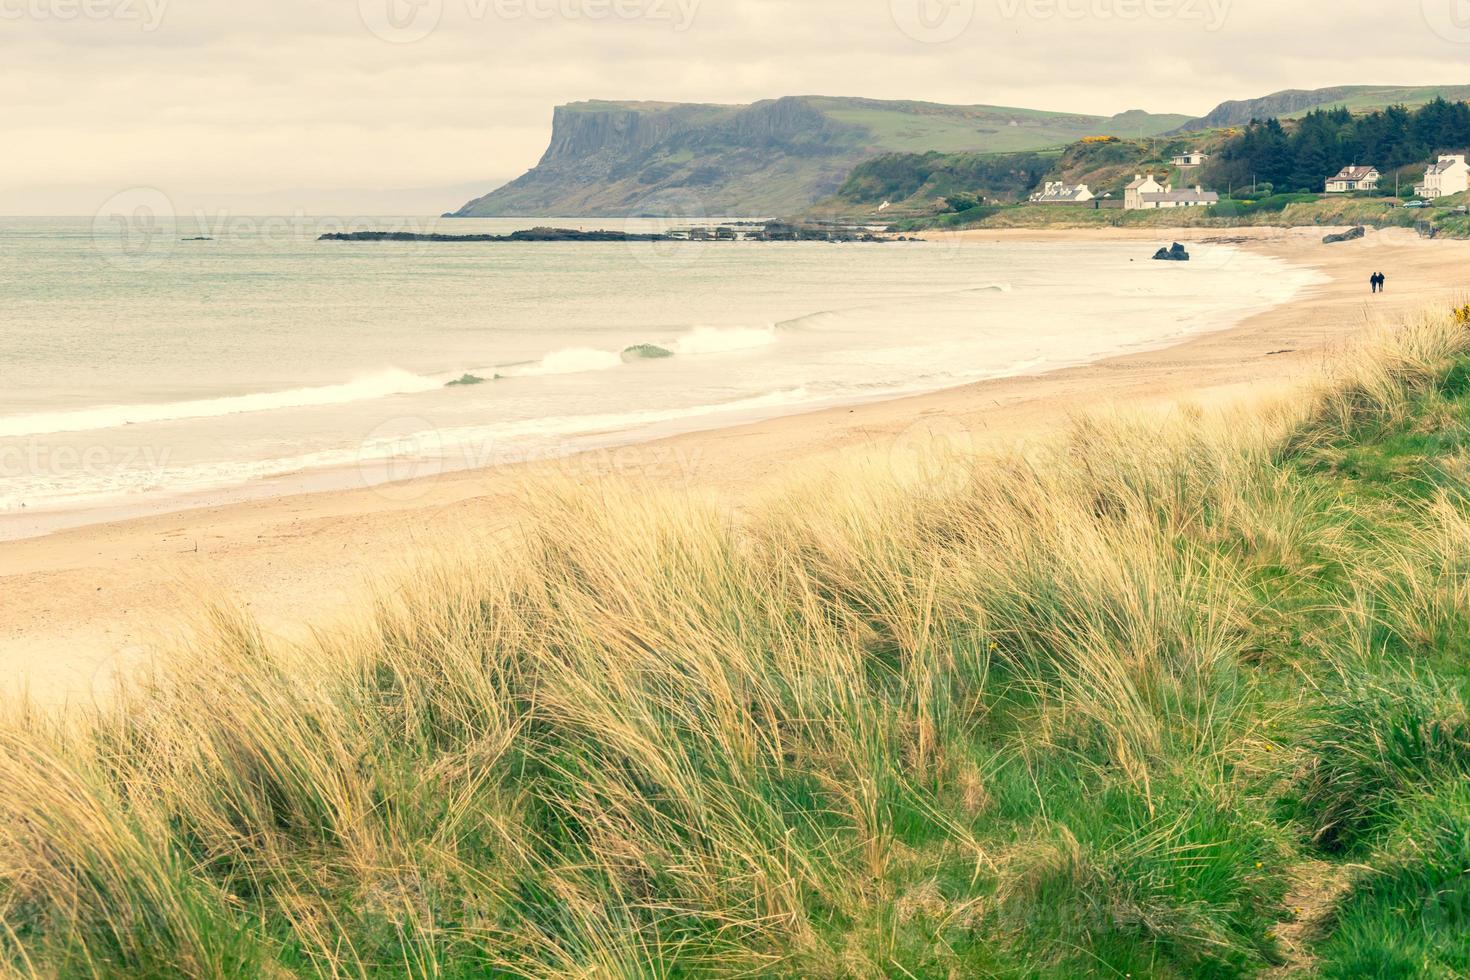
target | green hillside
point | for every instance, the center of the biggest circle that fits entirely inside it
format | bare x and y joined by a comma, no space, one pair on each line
1293,103
922,183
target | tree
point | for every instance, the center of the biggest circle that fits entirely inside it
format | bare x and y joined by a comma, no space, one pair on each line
1324,141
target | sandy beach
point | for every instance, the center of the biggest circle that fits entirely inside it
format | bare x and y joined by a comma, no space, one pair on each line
79,604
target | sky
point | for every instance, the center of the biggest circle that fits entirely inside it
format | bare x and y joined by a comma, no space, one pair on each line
414,106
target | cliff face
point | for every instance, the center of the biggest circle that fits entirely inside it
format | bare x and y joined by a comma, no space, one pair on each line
579,133
609,159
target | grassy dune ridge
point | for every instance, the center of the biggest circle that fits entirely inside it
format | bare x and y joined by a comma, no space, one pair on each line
1173,697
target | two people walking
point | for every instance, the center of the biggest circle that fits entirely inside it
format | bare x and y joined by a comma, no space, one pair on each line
1378,281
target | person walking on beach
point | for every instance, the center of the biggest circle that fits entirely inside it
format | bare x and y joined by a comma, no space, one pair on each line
1373,282
1382,282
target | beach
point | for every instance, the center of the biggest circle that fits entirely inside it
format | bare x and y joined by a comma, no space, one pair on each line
82,603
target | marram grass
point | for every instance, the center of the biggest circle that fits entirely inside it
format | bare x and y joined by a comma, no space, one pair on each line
1087,713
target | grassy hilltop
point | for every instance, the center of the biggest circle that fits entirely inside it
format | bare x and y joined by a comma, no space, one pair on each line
1185,697
1294,103
629,159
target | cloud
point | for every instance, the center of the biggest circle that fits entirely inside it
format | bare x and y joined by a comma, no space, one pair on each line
219,97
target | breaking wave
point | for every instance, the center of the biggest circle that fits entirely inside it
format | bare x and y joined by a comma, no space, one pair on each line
374,386
720,340
573,360
700,340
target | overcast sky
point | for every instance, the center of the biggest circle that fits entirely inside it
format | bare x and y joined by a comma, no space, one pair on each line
323,105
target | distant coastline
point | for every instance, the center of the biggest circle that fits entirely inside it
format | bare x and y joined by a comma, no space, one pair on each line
771,231
531,235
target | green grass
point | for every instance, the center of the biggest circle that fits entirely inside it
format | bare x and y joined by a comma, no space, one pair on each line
1086,712
923,127
1407,916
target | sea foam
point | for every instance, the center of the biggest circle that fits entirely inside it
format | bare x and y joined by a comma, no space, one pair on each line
381,385
721,340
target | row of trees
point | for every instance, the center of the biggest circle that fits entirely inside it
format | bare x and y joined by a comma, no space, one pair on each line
1325,141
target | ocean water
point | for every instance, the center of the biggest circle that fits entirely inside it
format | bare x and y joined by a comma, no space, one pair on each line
139,370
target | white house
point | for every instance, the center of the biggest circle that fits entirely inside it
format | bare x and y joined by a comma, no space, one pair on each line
1133,194
1145,193
1057,192
1451,175
1354,179
1191,159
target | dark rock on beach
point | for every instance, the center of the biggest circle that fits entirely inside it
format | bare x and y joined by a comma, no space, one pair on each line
1175,254
1351,235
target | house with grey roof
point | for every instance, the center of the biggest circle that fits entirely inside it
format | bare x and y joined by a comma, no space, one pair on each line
1146,193
1354,178
1449,175
1059,192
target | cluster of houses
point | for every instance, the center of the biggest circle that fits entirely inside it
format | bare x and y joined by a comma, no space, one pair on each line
1450,174
1058,192
1143,194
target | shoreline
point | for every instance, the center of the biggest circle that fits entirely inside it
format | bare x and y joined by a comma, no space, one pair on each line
85,601
43,516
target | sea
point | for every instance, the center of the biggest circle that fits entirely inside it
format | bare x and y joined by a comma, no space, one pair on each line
192,360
